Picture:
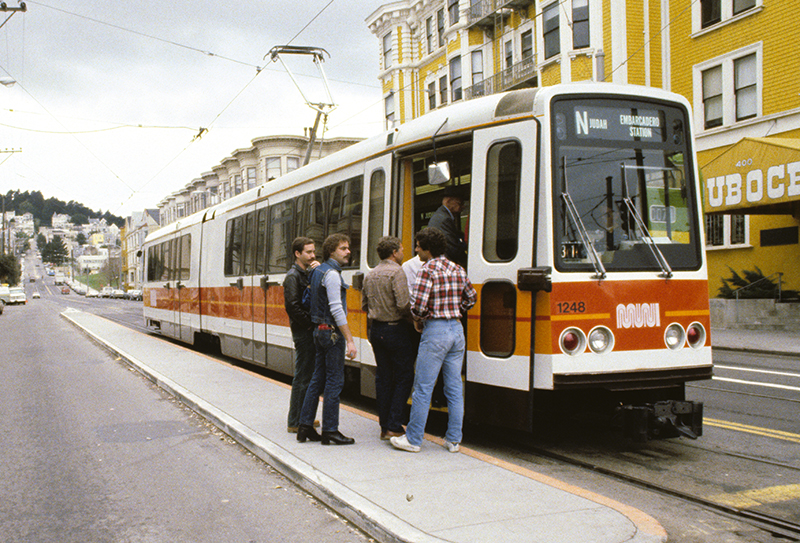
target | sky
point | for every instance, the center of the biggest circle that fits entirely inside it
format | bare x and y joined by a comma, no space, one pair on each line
110,95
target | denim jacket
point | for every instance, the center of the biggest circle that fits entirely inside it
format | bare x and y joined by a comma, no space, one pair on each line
320,305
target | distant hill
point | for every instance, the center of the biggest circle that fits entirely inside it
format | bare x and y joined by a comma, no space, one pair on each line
42,209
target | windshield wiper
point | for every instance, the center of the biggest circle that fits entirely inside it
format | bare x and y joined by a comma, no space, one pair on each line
600,270
666,271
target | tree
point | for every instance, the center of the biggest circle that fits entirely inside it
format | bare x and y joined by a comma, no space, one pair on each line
80,239
10,271
41,241
55,251
763,287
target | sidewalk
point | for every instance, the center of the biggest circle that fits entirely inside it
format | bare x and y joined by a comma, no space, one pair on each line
391,495
757,341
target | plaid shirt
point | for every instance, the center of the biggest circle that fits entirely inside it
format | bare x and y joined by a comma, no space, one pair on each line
442,291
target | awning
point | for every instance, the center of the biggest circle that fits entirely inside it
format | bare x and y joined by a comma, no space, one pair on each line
755,176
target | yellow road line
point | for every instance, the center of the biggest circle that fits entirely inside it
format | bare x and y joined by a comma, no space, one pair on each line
775,434
758,496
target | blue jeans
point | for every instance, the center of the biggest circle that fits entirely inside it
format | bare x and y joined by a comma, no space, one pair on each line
395,350
303,370
328,380
442,348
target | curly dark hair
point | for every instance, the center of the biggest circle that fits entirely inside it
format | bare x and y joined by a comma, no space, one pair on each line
433,240
332,243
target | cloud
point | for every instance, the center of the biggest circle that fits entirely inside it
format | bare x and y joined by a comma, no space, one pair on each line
111,94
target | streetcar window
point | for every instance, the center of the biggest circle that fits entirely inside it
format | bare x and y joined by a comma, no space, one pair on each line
345,214
249,243
498,319
166,260
377,188
185,263
261,242
623,186
233,246
501,201
311,217
281,224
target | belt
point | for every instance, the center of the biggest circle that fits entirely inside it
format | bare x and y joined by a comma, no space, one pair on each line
386,322
325,327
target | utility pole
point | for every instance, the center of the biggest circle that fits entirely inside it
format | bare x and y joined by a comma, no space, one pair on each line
3,240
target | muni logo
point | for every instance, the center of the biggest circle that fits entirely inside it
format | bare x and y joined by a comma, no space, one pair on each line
638,316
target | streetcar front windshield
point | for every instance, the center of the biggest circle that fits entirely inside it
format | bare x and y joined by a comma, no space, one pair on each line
624,188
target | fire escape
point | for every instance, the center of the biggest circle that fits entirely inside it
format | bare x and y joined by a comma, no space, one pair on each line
491,17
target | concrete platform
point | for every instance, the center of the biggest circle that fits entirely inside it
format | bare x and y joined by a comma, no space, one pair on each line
392,495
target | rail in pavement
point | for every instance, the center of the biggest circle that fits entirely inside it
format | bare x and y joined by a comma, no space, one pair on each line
391,495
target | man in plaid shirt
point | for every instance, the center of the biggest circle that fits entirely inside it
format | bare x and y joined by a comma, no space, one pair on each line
442,294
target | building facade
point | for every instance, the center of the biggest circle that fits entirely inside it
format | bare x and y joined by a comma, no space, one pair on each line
269,157
724,56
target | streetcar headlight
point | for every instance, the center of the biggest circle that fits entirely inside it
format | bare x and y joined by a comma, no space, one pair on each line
674,336
696,335
601,340
572,341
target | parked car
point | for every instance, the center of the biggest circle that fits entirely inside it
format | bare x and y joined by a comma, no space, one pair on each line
134,294
117,293
18,295
106,292
5,294
92,293
65,289
2,305
36,295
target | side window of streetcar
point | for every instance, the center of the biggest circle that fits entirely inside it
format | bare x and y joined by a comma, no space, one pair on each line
261,242
281,224
498,319
377,188
233,246
501,201
186,258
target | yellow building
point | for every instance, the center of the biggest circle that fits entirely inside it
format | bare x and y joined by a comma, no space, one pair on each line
734,60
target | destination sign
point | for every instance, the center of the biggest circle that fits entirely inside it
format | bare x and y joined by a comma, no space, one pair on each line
617,123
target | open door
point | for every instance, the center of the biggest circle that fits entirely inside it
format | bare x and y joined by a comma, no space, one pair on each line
500,242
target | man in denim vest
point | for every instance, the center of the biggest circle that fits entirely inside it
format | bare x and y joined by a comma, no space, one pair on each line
332,340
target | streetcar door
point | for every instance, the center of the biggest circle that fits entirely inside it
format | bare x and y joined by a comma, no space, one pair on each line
498,370
279,229
236,335
377,222
258,281
249,308
183,292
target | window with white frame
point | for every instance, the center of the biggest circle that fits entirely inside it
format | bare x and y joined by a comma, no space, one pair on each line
580,24
455,78
272,166
509,54
452,10
251,177
442,90
727,231
429,34
292,163
389,105
387,50
550,24
432,95
477,67
526,40
728,89
440,26
708,13
745,87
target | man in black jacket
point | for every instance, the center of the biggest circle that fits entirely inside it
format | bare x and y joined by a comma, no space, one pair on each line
447,219
294,286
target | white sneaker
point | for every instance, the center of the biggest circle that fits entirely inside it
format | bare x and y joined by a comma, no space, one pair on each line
452,447
403,444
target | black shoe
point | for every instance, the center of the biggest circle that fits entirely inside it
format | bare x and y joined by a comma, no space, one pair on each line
336,438
304,431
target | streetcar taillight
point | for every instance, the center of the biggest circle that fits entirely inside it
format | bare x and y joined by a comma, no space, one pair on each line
572,341
696,335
